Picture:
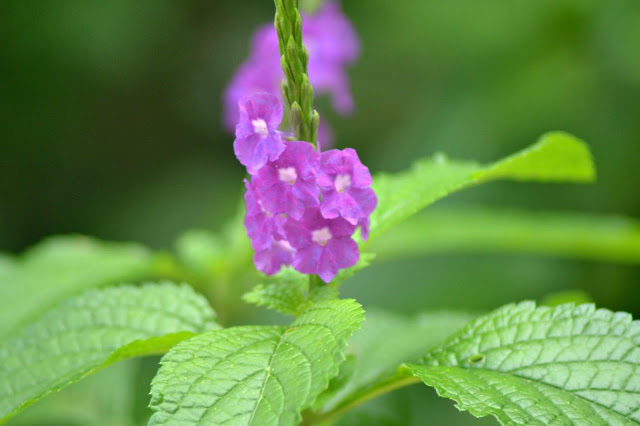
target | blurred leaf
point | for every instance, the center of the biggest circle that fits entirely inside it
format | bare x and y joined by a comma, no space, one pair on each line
105,398
254,375
388,340
537,366
576,297
556,157
364,261
91,331
61,266
473,229
199,250
391,409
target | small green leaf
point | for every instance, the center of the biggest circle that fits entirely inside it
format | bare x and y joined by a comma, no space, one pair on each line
285,292
91,331
59,267
524,365
556,157
477,229
254,375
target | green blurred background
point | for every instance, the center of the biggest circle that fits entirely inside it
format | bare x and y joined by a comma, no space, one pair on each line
110,125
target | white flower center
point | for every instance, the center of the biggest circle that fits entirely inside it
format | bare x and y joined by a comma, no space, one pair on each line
321,236
342,182
284,245
260,127
288,174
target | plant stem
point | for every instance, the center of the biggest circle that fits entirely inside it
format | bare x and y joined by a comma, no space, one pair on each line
388,385
296,88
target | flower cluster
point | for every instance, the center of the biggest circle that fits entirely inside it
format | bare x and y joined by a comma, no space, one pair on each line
302,206
332,45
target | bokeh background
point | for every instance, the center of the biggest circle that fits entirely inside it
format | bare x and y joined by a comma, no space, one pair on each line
110,125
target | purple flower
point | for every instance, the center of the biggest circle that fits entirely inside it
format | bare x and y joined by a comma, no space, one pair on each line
257,138
271,259
288,184
346,186
332,44
323,246
260,73
262,226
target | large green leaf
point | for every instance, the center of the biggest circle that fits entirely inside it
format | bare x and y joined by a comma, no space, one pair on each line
538,366
556,157
90,331
62,266
254,375
469,229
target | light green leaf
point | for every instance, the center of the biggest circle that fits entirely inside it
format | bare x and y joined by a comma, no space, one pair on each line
285,292
473,229
254,375
93,330
59,267
556,157
524,365
105,398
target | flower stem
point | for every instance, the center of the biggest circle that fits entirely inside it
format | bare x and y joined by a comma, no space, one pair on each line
392,383
296,88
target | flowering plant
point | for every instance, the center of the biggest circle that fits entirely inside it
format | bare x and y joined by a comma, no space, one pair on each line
313,216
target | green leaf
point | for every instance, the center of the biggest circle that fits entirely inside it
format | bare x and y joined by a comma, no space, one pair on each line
290,292
474,229
93,330
285,292
254,375
556,157
59,267
538,366
106,398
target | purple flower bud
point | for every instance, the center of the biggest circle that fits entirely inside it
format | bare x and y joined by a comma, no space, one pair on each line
346,186
271,259
323,246
288,184
262,226
257,138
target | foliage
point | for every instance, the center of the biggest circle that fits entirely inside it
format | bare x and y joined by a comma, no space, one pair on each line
65,312
264,375
93,330
528,366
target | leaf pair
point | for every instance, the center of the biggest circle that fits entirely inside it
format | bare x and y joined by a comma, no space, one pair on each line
252,375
